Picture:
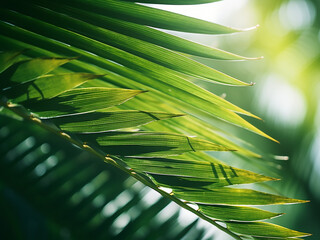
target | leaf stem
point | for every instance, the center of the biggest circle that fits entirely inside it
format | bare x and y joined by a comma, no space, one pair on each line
22,112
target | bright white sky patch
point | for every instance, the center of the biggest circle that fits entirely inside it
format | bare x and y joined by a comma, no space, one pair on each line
296,14
213,12
281,102
150,197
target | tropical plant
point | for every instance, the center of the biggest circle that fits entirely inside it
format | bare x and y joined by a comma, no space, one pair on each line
125,58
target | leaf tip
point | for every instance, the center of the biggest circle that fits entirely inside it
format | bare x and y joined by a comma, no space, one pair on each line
178,115
297,201
137,92
280,158
275,140
73,58
100,75
254,58
274,179
229,149
255,116
251,28
271,138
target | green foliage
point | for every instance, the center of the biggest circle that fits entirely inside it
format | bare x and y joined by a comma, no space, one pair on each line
94,114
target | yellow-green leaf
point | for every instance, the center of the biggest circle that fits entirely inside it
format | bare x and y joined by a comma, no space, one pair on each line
236,213
106,120
232,196
264,230
47,86
149,144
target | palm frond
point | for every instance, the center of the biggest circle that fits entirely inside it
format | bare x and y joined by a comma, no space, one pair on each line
94,114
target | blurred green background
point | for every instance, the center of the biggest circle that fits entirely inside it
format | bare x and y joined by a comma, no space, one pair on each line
286,96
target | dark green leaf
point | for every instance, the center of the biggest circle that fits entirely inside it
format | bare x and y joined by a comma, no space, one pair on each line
8,113
8,58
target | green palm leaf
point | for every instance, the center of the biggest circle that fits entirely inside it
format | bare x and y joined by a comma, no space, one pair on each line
186,171
148,143
232,196
236,213
264,230
99,121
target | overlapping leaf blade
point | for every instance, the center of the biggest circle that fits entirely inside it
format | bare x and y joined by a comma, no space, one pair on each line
167,77
47,86
216,111
80,101
136,47
29,70
152,17
148,34
123,56
182,90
